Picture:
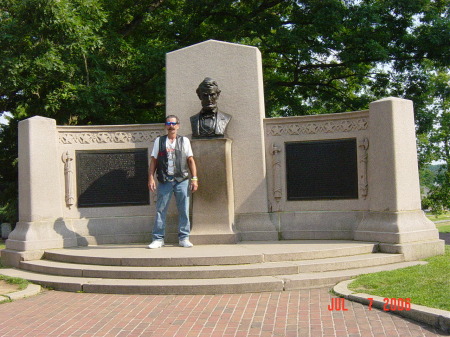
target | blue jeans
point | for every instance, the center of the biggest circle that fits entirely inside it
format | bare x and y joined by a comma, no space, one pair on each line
164,193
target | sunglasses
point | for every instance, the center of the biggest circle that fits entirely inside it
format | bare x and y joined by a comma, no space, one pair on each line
171,123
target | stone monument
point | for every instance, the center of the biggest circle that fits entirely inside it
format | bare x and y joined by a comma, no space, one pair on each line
238,71
246,190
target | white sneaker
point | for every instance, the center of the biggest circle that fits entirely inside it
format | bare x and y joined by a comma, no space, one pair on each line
185,243
156,244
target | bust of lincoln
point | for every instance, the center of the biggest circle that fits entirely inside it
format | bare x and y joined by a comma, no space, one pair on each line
209,122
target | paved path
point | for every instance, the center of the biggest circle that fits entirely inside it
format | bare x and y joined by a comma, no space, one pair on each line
292,313
445,237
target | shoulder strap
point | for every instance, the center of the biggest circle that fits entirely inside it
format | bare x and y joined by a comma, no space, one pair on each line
162,143
180,140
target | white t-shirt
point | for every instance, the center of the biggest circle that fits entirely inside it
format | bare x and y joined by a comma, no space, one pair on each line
170,148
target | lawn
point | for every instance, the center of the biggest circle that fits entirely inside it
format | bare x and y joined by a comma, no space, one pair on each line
443,227
427,285
444,216
21,283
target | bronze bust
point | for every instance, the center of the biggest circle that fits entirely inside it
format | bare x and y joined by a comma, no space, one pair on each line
209,122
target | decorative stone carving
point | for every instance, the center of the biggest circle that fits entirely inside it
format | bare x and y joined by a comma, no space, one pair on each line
364,185
68,173
103,137
277,179
317,127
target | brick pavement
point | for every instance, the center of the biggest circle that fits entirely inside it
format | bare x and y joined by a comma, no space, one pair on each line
291,313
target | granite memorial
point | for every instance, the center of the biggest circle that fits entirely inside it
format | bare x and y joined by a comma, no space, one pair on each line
382,203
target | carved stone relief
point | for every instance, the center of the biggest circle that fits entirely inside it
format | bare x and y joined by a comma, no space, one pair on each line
349,125
103,137
364,157
68,178
277,191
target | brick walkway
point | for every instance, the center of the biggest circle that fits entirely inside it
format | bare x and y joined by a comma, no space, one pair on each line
293,313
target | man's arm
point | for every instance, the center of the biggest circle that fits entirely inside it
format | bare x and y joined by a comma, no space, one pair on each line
151,174
193,169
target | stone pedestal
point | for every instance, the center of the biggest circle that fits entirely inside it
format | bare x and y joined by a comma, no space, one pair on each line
213,202
40,223
395,218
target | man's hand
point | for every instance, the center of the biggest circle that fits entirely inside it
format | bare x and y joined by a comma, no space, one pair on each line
152,184
193,169
151,175
194,185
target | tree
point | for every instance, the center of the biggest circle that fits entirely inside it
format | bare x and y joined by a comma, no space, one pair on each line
102,61
438,199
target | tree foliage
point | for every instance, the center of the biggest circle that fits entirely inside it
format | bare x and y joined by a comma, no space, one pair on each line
102,61
438,144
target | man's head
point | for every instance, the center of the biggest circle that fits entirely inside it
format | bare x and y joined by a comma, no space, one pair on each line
208,91
172,124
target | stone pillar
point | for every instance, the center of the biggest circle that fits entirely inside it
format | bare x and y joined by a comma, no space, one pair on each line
40,223
38,173
213,202
395,217
238,72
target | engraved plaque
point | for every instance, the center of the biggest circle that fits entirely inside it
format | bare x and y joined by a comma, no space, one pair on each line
322,170
112,178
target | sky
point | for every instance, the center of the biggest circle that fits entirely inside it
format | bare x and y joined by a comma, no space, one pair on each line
3,119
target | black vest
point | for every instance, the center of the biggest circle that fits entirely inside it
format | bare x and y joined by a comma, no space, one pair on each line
180,170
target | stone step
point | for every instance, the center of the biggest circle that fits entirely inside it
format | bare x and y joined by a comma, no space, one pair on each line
198,286
205,272
317,280
210,255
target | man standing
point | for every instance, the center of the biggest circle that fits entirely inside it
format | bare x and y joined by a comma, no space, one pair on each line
170,159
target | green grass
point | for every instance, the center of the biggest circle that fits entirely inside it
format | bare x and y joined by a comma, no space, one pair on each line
21,283
444,216
444,227
427,285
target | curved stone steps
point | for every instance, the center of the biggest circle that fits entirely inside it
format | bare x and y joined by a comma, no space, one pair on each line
198,286
208,269
208,272
320,279
208,255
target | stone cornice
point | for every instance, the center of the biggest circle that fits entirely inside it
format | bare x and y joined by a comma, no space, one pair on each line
317,124
81,135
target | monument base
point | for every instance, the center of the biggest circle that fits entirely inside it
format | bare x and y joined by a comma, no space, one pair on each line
39,235
214,238
408,232
415,250
29,240
258,226
213,202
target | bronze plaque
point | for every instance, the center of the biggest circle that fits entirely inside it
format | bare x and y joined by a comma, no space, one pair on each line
322,170
112,178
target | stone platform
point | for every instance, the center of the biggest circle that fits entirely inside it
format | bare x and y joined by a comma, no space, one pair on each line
206,269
